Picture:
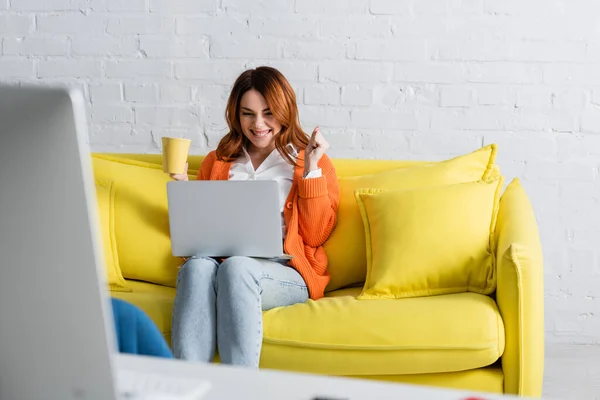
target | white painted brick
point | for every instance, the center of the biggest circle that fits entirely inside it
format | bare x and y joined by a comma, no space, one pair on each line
76,24
87,6
16,68
138,69
324,116
446,144
551,28
578,217
494,95
283,26
220,72
363,27
566,99
595,97
338,138
167,116
410,27
593,52
455,96
560,171
175,94
16,24
516,7
117,136
183,6
104,45
394,120
449,49
388,95
69,69
480,119
129,5
142,25
354,72
430,73
355,95
394,50
213,136
108,114
419,95
534,97
571,52
140,93
334,7
259,7
525,145
571,74
579,196
261,48
217,26
322,95
542,120
314,50
211,94
105,93
294,71
466,7
41,5
214,115
386,7
174,47
430,7
38,46
386,144
496,72
590,121
579,148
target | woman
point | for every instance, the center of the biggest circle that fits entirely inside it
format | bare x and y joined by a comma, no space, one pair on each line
219,304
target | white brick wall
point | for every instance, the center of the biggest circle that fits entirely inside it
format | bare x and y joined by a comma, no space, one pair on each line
412,79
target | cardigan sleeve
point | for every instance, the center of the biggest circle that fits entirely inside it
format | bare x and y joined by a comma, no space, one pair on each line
206,166
318,204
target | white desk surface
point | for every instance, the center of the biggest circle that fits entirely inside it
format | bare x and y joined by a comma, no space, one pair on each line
231,383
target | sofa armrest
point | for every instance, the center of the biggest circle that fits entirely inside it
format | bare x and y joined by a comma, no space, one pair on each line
520,292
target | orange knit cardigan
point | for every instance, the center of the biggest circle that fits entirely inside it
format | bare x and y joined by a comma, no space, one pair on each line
310,215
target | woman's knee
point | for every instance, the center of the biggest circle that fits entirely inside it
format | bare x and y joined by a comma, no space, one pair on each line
198,269
235,270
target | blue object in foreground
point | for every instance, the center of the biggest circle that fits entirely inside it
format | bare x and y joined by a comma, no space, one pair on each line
136,333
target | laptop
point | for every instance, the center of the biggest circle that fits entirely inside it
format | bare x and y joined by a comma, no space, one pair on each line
57,336
225,218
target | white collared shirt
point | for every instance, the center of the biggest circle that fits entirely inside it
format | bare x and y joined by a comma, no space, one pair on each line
274,167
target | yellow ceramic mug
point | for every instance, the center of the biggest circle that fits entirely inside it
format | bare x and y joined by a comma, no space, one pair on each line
175,152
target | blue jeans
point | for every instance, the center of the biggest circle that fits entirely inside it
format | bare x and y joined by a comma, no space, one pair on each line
136,333
220,306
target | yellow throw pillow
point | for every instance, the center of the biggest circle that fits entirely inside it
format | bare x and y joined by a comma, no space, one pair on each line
346,246
105,194
430,241
141,218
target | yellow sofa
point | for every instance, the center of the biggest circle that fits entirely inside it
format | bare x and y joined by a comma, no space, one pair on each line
491,343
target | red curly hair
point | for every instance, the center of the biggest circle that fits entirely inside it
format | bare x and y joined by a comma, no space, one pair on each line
281,100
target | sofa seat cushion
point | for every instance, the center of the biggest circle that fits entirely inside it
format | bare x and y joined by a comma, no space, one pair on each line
155,300
340,335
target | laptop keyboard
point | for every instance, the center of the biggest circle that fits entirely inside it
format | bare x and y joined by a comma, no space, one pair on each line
135,385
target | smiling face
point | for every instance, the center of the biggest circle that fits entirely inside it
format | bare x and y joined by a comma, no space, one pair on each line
257,121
